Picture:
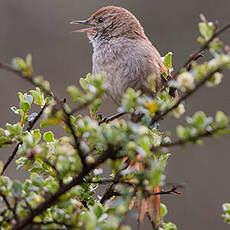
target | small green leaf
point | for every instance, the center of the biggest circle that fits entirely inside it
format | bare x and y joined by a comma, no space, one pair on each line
226,207
168,60
49,122
38,97
36,136
221,119
25,106
75,93
48,136
206,29
169,226
14,129
164,210
16,188
36,179
180,130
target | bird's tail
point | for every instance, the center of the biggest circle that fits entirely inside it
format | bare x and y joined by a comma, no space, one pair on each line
150,205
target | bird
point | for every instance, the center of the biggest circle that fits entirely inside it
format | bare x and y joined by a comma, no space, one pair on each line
122,52
126,57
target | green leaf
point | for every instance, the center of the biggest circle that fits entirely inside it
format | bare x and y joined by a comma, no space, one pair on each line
38,97
169,226
75,93
84,82
164,210
14,129
36,179
168,60
180,130
226,207
206,29
49,122
48,136
36,136
16,188
25,106
221,119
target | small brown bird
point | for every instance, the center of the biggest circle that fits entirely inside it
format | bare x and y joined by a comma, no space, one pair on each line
126,57
122,52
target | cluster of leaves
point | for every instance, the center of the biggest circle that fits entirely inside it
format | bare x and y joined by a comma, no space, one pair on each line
66,172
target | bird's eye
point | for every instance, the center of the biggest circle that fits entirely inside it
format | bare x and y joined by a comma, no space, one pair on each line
100,19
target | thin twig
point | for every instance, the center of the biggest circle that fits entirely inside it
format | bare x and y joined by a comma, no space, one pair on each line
110,190
111,118
62,190
76,140
29,79
11,157
82,106
56,171
190,139
196,55
201,49
31,125
59,102
161,115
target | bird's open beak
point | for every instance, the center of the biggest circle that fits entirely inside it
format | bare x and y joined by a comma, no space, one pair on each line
83,22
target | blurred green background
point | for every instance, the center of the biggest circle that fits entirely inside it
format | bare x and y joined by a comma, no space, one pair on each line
41,27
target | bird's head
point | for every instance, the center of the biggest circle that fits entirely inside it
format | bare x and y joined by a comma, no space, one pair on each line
111,22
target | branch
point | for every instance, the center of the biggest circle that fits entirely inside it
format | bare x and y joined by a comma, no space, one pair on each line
53,199
82,106
76,140
194,56
59,102
161,115
197,54
31,125
13,210
191,139
56,171
111,118
172,190
29,79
